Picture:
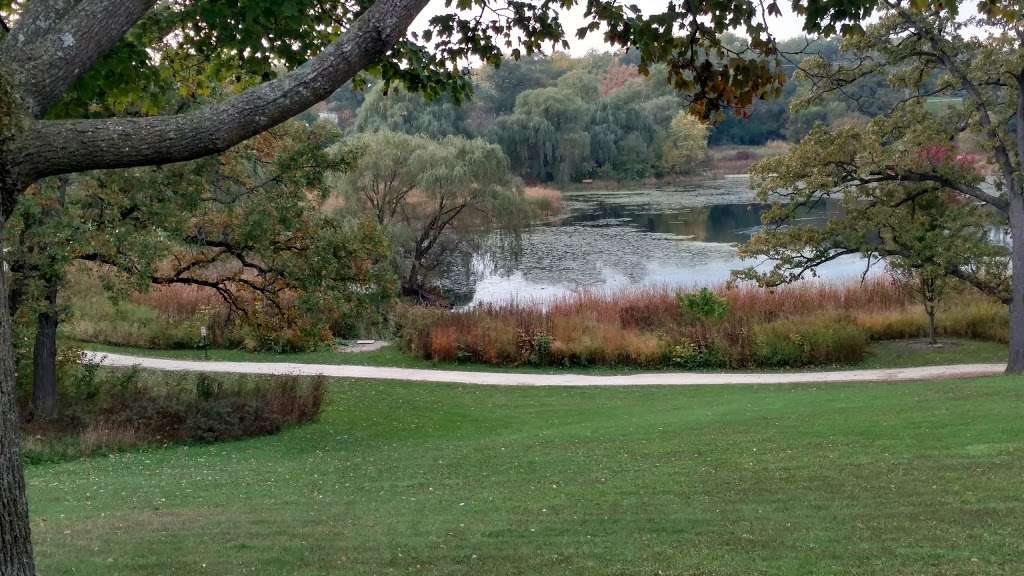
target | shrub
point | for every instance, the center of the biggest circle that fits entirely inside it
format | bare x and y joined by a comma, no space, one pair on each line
704,305
107,410
816,341
690,355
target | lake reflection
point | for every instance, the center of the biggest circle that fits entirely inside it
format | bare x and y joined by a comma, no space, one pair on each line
684,236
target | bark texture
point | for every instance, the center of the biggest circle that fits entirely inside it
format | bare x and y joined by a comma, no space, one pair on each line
70,44
1015,365
44,359
15,536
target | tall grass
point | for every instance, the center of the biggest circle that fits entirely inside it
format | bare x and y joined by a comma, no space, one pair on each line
825,323
183,316
545,201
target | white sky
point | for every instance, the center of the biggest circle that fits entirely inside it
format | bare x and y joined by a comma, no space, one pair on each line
783,27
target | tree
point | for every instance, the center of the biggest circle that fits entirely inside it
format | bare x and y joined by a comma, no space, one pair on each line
547,134
58,51
931,53
927,231
398,110
686,144
927,285
247,224
434,198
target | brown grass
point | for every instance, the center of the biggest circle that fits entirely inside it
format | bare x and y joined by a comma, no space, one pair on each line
182,302
646,327
739,159
546,201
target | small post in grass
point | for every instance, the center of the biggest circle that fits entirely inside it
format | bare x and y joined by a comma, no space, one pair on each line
204,341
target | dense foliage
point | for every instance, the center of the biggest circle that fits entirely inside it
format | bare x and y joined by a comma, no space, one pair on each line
922,185
563,119
435,199
112,410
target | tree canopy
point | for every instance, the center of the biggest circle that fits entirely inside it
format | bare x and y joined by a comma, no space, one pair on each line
435,198
956,161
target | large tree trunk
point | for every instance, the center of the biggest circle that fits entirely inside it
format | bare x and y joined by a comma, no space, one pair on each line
44,359
1016,215
15,539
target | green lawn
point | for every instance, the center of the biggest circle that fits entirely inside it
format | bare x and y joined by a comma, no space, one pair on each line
407,478
894,354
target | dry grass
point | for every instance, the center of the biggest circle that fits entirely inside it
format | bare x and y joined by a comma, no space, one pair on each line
739,159
181,302
647,327
546,201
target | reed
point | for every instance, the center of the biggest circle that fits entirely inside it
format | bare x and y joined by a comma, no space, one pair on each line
826,323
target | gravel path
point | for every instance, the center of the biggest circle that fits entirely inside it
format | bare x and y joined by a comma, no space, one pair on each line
560,379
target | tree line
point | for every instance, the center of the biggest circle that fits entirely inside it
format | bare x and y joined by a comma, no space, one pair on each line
563,119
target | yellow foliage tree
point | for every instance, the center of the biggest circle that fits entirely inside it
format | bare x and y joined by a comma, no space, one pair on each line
686,144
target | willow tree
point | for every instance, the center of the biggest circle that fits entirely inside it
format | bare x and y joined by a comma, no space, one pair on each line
435,198
58,51
547,134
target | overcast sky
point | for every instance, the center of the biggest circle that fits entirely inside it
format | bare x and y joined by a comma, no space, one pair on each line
783,27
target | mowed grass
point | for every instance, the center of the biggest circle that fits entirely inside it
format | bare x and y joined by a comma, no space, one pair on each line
886,354
408,478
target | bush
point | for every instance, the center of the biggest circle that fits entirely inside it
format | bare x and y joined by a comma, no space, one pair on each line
809,342
690,355
704,305
105,410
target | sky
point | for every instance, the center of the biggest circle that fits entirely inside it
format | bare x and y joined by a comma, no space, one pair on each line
783,27
786,26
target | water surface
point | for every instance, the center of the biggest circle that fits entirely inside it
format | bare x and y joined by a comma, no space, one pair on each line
681,236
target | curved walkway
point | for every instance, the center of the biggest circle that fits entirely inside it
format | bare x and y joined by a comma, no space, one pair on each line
534,379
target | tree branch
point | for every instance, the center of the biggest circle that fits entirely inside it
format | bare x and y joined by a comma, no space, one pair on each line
956,71
48,65
34,22
975,192
125,142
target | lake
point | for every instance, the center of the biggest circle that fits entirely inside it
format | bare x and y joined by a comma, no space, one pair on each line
683,236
